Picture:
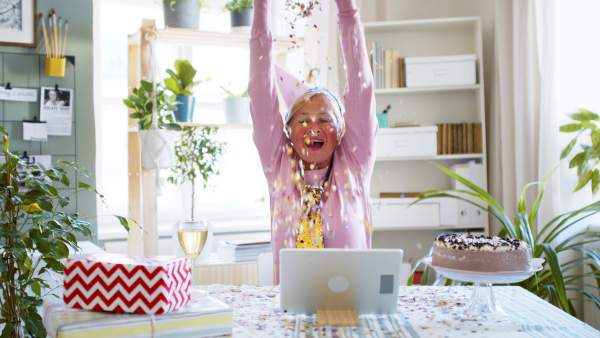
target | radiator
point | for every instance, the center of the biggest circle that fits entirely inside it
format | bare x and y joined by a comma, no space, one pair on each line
591,313
217,271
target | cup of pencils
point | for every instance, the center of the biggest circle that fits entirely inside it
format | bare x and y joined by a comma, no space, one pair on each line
55,40
382,117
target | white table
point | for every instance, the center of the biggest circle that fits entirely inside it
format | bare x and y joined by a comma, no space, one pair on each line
423,311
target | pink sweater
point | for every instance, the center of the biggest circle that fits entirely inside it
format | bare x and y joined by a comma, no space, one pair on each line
345,212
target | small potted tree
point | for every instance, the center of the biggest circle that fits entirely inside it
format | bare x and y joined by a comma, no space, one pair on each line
181,84
197,162
242,13
237,107
158,143
182,13
36,231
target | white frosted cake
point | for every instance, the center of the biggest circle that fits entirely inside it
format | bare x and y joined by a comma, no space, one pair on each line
481,253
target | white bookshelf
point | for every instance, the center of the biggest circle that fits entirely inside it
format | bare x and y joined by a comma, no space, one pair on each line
427,106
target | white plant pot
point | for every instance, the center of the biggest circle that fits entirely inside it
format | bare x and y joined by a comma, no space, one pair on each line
237,109
156,147
204,255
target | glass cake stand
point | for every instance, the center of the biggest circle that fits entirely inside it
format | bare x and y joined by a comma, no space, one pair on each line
483,305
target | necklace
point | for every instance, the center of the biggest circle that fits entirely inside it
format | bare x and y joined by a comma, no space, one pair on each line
310,231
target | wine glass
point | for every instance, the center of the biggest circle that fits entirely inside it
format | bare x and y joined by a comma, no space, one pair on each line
192,236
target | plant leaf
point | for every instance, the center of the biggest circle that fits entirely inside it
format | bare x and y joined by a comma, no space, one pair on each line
568,149
569,128
557,275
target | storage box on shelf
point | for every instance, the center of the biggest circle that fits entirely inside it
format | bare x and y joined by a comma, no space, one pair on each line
453,95
407,142
436,71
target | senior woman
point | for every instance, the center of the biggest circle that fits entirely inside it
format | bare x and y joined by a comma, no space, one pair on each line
318,162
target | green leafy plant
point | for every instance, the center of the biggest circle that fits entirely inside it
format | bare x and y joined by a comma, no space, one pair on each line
182,81
197,158
142,102
588,160
231,94
34,220
238,5
555,279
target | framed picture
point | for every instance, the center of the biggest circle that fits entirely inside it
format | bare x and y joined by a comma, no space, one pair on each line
17,23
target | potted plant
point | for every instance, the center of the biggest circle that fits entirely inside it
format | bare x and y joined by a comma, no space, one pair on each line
181,84
242,14
555,279
588,160
197,162
182,13
158,145
36,232
237,107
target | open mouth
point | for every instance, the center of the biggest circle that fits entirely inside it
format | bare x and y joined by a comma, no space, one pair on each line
315,144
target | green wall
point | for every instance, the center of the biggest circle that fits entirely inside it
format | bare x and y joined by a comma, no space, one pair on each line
79,44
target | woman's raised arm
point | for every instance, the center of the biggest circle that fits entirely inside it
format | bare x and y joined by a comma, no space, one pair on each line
359,99
264,105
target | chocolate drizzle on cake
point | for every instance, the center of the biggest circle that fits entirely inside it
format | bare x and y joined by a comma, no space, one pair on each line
480,243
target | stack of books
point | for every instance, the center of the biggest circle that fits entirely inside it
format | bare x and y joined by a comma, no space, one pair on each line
459,138
243,250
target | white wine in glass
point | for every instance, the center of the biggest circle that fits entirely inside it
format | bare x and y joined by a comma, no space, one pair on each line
192,236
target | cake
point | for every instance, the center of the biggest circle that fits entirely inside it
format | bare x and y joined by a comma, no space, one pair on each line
481,253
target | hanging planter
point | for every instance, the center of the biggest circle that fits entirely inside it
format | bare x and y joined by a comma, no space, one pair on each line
182,13
157,130
158,148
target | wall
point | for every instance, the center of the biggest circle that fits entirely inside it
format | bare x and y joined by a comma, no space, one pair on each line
79,44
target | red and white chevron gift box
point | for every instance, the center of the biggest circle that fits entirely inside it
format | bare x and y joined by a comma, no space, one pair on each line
123,283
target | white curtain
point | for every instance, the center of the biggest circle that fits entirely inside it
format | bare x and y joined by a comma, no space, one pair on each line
523,127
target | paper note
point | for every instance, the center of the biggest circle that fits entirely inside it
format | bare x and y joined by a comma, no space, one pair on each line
56,108
35,131
18,94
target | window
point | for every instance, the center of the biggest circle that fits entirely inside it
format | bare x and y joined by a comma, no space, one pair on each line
577,85
240,195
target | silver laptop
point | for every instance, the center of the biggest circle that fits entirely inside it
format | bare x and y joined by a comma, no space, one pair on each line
336,279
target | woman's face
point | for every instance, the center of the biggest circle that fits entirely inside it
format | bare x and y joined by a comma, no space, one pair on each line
313,132
52,95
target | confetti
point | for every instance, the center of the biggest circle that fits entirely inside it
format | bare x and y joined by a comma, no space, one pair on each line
260,58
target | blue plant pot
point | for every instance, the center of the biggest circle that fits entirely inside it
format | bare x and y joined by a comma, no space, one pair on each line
185,109
383,120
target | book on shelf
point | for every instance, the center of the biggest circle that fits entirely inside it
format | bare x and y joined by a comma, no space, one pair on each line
469,138
465,137
439,139
477,142
387,67
402,73
243,250
374,62
396,68
380,70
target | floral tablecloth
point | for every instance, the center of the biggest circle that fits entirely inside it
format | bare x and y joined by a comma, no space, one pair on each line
423,311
